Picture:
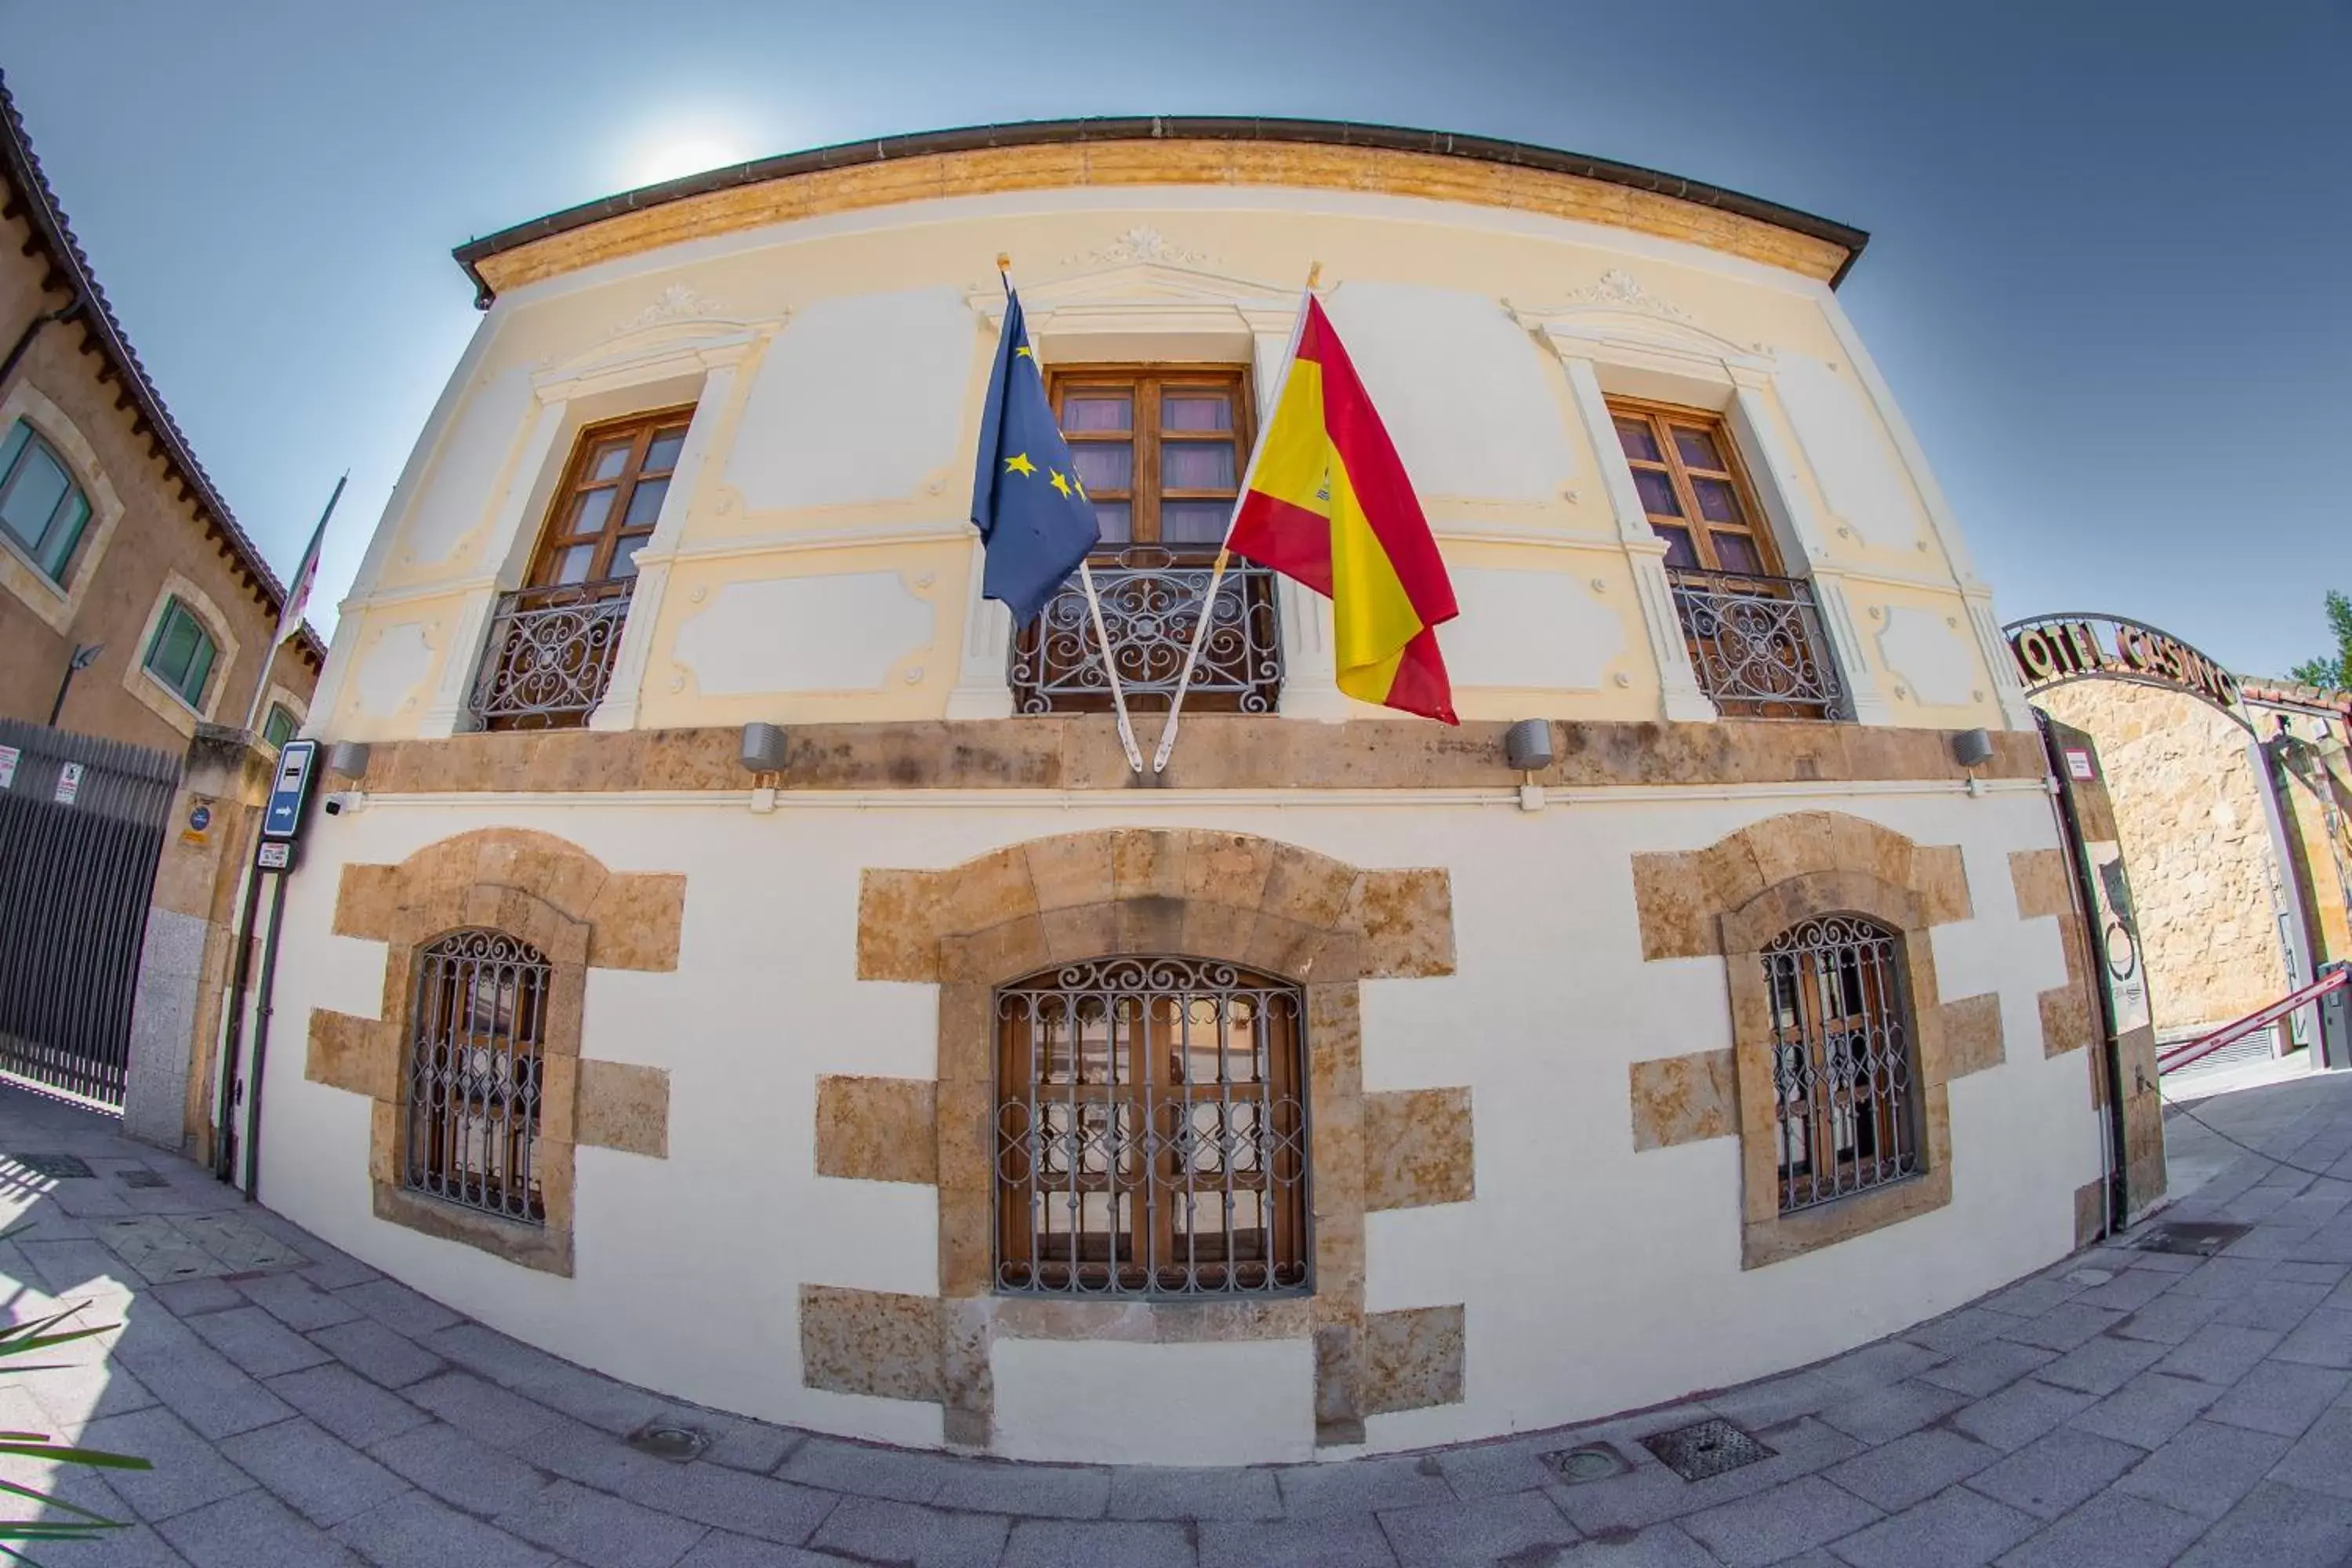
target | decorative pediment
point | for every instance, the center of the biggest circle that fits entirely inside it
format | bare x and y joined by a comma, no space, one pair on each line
1135,292
680,331
1623,316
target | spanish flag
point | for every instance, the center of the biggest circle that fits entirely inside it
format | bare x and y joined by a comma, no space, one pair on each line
1329,503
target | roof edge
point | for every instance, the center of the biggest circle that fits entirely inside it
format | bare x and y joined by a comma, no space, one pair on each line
1150,127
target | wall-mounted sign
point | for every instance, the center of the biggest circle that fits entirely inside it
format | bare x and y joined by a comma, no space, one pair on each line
2117,936
275,855
9,755
2051,649
68,783
282,817
2079,766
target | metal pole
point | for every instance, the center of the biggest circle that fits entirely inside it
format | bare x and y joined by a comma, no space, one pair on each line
261,1034
1217,573
225,1135
83,655
261,680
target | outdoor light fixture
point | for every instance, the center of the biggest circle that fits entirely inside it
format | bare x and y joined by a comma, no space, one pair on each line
764,747
1972,749
764,756
348,758
1526,746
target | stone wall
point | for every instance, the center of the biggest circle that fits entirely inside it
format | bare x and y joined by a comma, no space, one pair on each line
2188,807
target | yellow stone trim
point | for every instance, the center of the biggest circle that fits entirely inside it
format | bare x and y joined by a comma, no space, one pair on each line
1115,165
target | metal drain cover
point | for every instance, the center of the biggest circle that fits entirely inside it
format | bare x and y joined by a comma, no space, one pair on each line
142,1177
1586,1462
1705,1448
667,1441
2192,1237
56,1167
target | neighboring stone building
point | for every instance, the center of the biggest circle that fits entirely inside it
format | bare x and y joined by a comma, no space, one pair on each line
1334,1093
115,543
2233,914
110,533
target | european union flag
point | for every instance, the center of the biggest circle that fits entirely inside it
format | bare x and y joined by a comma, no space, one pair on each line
1033,515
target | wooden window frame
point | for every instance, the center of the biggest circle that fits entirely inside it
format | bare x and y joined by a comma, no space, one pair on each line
1146,384
1150,1093
1870,995
555,537
1661,418
443,1102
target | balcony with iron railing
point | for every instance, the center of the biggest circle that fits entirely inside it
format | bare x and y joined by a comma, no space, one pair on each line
1151,601
549,655
1757,645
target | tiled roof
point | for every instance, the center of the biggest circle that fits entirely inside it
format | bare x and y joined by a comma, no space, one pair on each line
31,198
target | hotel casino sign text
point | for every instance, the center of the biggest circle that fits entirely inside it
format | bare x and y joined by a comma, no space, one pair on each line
2050,649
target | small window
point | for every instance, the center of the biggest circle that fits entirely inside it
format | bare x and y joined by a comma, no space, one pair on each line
1151,1131
1159,451
42,511
182,655
1842,1059
1693,489
612,496
280,727
476,1030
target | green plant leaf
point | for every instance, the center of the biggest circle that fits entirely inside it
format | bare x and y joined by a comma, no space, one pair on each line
35,1494
98,1456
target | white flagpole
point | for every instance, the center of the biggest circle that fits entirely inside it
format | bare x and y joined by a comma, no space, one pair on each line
1224,553
297,597
1094,601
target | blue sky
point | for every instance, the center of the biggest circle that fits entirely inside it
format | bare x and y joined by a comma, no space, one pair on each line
2107,276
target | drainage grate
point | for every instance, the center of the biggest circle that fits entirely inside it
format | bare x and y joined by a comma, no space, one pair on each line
667,1441
1586,1462
2193,1237
140,1176
1705,1448
56,1167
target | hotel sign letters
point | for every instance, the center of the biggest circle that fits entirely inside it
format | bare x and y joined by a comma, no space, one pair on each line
2050,649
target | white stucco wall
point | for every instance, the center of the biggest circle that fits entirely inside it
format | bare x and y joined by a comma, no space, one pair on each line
1595,1279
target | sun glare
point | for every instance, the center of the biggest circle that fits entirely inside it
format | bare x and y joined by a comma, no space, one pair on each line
680,155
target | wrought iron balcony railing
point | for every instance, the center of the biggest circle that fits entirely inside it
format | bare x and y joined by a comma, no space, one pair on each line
1757,646
1151,604
549,655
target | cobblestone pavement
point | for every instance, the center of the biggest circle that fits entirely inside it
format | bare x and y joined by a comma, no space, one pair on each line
2122,1407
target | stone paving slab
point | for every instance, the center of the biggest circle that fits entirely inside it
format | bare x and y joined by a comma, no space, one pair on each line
2117,1408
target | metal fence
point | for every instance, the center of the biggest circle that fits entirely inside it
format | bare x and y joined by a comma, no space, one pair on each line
1150,609
81,827
1757,645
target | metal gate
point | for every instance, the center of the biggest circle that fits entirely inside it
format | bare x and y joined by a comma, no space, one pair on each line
81,828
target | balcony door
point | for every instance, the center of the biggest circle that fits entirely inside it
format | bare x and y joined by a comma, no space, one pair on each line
551,643
1159,449
1756,639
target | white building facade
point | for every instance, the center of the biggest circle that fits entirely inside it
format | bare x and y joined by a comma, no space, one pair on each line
931,1077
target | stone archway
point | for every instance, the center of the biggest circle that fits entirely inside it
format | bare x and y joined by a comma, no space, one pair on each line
1223,896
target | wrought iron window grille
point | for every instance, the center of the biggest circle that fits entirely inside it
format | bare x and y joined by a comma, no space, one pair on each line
1150,603
1757,646
549,655
1150,1132
476,1026
1841,1060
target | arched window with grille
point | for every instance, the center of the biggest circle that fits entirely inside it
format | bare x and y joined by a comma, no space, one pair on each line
1842,1060
1152,1131
477,1027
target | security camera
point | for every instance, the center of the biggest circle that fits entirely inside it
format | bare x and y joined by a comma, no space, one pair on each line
343,800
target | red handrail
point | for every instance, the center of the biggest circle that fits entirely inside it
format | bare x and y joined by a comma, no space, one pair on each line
2206,1045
